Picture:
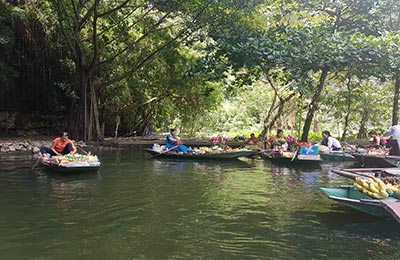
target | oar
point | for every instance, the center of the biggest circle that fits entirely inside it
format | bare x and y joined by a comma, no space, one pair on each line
166,150
243,144
82,150
294,155
35,164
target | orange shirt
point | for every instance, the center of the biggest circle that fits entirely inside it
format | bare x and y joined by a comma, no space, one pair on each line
59,145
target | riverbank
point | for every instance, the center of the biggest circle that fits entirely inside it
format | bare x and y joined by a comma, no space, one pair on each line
33,144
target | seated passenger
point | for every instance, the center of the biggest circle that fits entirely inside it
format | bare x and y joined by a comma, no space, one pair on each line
276,140
332,143
61,146
174,143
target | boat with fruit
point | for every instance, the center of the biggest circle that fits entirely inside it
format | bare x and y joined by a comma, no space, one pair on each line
208,153
369,194
351,197
71,163
302,154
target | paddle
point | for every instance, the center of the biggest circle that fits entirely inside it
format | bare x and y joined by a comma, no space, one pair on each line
242,145
166,150
82,150
294,155
35,164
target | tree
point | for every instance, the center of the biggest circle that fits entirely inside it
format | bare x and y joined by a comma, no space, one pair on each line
110,42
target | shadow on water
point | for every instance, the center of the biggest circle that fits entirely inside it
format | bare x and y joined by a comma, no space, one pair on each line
203,167
43,172
294,165
345,221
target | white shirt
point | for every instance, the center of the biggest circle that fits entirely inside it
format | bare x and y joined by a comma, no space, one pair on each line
393,131
333,142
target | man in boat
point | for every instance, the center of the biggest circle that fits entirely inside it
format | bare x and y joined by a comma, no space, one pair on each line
61,146
332,143
174,143
377,141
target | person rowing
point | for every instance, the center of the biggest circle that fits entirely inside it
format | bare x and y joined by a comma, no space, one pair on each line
173,142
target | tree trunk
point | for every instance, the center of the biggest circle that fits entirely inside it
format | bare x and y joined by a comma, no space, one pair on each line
362,132
346,124
265,132
84,120
314,105
117,122
395,116
348,110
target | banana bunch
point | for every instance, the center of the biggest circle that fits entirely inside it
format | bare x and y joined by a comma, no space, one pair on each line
375,187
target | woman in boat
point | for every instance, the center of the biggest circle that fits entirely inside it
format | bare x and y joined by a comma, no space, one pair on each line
276,140
174,143
332,143
377,141
61,146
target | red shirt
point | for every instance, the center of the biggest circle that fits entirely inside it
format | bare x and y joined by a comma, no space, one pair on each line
59,145
252,140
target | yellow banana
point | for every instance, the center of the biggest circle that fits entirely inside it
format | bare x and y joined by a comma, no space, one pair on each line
358,186
389,190
373,189
383,193
376,196
358,180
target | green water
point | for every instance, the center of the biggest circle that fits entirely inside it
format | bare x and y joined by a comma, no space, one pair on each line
141,208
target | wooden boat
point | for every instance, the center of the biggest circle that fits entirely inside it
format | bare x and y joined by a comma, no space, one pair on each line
368,172
234,154
72,168
337,156
351,197
377,160
305,154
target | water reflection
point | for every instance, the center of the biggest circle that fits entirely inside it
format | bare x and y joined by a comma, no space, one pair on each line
204,167
64,189
141,208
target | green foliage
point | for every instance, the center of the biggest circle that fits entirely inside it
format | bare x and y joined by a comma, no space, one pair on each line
202,65
67,89
7,68
242,113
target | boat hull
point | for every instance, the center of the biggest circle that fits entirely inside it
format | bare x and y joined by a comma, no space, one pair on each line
70,170
205,156
368,172
299,159
337,156
349,196
371,160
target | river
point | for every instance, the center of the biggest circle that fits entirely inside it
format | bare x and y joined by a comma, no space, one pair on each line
141,208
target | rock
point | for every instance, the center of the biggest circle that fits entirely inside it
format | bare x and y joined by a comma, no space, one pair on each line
81,144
